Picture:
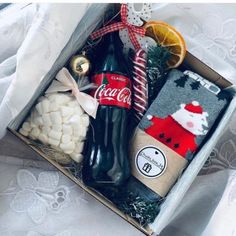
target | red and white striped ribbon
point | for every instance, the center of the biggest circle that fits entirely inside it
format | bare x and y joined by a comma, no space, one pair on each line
140,90
124,24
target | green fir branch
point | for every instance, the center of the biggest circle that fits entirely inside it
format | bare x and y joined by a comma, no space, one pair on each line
157,68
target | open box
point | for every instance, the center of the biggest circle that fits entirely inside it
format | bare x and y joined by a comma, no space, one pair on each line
78,39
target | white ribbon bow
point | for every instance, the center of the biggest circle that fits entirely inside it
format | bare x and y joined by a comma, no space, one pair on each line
65,82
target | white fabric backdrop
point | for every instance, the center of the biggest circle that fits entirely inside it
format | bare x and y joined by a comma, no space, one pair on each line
36,200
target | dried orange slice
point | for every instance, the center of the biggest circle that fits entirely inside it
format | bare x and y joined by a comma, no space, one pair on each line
167,37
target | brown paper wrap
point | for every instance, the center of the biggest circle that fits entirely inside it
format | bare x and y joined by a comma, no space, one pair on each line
154,164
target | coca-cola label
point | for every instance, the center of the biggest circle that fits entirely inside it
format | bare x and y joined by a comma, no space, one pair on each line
112,89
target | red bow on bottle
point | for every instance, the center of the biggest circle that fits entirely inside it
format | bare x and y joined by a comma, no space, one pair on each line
132,30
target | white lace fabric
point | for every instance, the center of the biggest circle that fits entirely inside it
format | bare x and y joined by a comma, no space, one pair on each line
36,200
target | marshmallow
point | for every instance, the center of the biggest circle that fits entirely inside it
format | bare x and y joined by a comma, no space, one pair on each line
73,103
53,142
66,138
45,104
79,147
57,127
32,136
56,117
39,109
47,120
32,123
54,134
81,133
74,120
66,129
76,157
43,138
68,148
61,98
67,111
54,106
45,130
38,121
66,119
85,120
52,96
23,132
79,110
69,151
26,126
35,132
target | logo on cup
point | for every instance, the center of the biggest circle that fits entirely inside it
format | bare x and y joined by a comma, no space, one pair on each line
151,162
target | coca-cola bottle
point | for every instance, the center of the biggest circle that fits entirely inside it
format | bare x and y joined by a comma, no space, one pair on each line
106,155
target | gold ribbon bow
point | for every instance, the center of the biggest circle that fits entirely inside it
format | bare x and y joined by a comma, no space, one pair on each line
65,82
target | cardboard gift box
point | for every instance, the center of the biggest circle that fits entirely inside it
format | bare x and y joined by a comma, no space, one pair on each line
178,191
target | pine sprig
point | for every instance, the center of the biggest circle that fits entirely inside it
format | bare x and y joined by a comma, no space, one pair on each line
139,209
157,58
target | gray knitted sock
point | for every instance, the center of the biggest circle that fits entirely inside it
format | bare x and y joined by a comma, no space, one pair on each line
184,112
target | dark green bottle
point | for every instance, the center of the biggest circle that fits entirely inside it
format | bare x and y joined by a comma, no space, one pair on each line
106,154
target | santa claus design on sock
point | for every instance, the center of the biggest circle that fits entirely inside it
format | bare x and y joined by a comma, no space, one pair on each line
179,130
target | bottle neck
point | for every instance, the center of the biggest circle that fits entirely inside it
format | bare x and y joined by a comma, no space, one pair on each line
112,41
111,57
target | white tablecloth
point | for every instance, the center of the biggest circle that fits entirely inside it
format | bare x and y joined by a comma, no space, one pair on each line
37,200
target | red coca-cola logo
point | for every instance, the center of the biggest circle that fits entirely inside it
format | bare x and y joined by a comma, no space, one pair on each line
112,89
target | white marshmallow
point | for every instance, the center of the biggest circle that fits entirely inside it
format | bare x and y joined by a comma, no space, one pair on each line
26,126
32,123
76,157
56,117
75,120
57,127
24,132
69,151
47,119
85,120
66,138
46,130
67,111
35,132
66,119
53,142
39,109
54,106
68,148
79,147
51,96
73,103
81,133
79,110
55,135
38,121
62,98
45,105
32,136
67,129
43,138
